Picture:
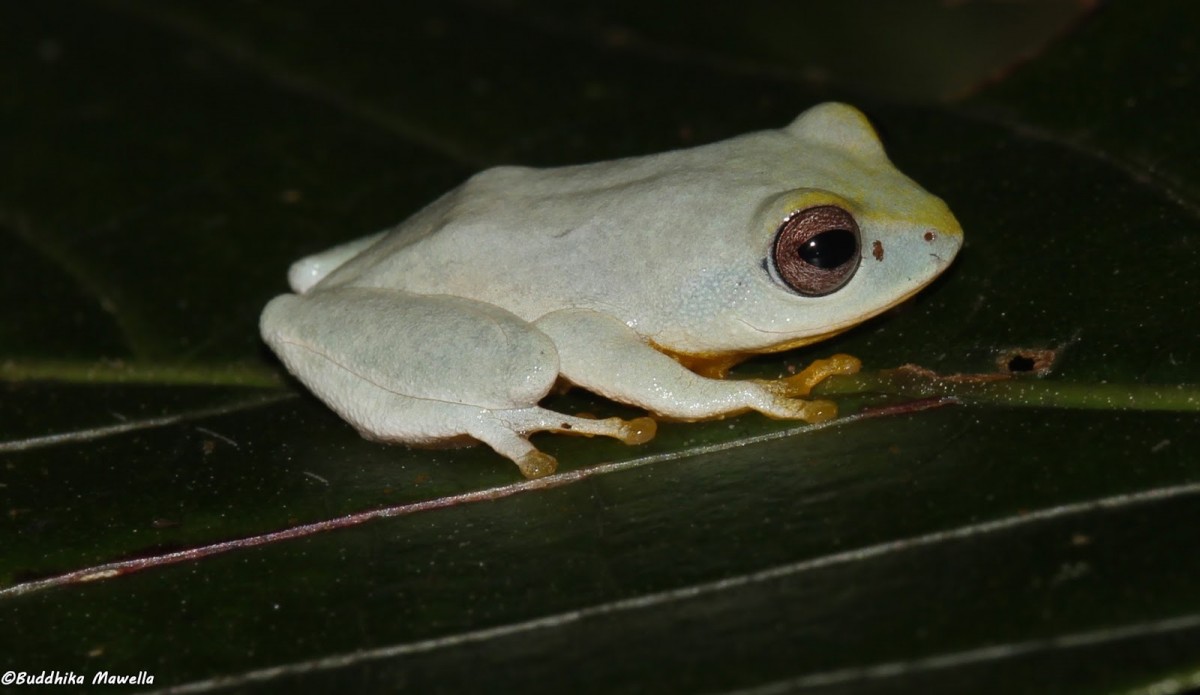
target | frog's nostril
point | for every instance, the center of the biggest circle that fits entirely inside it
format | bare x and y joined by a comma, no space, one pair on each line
943,239
944,245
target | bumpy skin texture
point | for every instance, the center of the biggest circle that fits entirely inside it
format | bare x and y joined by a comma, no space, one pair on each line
458,321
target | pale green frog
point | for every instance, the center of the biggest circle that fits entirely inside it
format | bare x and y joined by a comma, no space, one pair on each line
639,279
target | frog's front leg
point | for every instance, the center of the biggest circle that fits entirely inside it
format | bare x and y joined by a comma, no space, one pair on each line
429,369
602,354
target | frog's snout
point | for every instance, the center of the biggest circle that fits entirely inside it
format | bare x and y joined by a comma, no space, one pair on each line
944,242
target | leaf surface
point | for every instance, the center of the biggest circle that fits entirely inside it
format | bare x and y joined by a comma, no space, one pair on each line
173,504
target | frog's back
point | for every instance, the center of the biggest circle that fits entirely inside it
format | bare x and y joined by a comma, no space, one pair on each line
523,237
588,234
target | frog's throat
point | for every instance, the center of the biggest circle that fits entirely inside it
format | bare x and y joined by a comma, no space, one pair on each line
716,365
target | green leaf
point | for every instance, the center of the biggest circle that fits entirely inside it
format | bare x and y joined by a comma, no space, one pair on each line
1015,514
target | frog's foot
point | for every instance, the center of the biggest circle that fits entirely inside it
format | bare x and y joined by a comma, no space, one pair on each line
504,441
815,411
529,420
505,432
801,384
537,464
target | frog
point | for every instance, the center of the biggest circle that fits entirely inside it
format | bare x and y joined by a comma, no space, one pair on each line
642,279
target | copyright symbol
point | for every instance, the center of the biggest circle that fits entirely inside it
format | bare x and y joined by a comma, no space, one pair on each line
8,677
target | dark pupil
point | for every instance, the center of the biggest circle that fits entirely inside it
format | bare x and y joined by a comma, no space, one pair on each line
829,249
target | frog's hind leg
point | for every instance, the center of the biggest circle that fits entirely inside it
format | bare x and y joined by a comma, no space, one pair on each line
507,430
639,430
427,370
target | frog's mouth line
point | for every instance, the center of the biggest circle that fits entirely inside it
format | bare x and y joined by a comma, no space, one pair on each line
840,328
716,364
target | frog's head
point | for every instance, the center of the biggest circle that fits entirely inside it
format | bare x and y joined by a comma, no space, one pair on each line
848,237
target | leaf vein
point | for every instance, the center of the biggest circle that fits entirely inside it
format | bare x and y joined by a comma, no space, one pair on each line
652,600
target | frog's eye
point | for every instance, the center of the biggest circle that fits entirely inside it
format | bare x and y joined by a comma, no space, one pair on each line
817,250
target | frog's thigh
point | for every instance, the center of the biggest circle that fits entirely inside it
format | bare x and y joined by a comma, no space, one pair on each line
424,369
605,356
376,412
387,416
434,347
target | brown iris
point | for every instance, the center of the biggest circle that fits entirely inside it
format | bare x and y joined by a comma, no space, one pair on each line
817,250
